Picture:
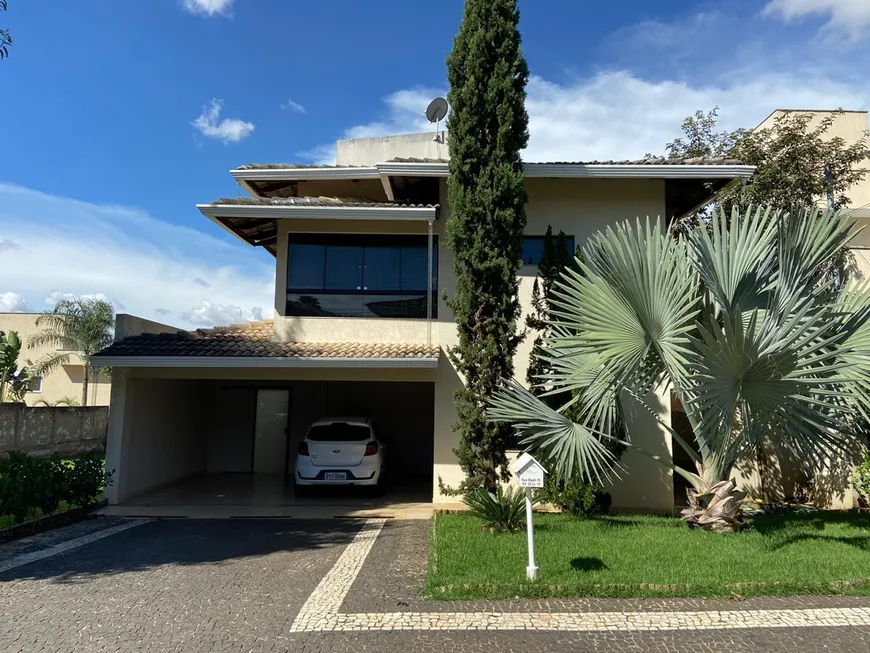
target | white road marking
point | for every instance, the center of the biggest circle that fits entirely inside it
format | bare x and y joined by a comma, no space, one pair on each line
321,611
34,556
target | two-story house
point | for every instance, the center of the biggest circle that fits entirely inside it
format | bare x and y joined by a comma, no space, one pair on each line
360,324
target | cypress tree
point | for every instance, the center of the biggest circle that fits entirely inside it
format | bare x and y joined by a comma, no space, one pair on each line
488,128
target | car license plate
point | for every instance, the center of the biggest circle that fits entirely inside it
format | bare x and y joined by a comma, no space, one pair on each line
335,476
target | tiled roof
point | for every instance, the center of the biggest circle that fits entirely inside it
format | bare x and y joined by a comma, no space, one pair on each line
659,161
317,201
652,161
256,339
290,166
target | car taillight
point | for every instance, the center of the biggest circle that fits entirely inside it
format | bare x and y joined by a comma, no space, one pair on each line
303,448
371,448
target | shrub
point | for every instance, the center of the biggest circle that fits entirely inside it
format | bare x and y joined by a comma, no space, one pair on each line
30,486
574,496
85,478
860,480
502,511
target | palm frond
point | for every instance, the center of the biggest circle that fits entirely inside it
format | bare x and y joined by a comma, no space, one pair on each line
50,362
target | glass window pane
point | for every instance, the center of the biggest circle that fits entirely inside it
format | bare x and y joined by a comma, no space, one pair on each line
305,267
414,273
343,267
382,266
533,249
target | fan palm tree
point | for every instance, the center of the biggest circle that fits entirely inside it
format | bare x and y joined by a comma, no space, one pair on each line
738,319
76,328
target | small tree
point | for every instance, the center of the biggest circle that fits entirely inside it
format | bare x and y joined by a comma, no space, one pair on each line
486,191
737,319
798,164
14,381
77,328
701,139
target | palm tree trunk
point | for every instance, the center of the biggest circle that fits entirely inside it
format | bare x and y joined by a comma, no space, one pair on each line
85,385
718,507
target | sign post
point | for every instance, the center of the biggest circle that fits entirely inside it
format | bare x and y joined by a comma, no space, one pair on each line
529,474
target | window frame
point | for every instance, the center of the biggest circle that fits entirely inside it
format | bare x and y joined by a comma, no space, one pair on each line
367,240
399,242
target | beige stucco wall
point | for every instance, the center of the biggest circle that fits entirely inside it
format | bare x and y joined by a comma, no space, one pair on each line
65,381
369,151
157,433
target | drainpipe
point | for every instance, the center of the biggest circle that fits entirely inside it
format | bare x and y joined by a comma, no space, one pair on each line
429,290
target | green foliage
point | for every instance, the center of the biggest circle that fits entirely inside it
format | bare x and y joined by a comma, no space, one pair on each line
14,382
792,157
575,496
84,478
739,319
76,328
555,259
500,510
5,37
488,128
700,138
30,485
860,480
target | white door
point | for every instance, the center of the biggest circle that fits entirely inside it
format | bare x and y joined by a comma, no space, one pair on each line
270,432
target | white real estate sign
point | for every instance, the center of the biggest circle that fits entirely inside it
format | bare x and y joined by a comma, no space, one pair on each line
529,474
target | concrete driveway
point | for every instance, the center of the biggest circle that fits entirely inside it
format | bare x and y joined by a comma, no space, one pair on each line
343,585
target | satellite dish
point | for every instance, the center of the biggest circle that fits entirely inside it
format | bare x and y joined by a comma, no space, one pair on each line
437,110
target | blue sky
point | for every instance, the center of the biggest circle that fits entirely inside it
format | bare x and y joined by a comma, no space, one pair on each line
117,117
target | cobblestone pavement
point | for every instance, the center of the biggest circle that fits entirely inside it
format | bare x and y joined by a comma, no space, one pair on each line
242,585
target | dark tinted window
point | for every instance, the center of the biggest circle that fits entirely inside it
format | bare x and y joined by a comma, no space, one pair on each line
414,271
382,265
533,248
343,267
360,275
306,266
339,432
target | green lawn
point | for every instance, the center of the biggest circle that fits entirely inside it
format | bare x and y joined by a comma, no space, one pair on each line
642,555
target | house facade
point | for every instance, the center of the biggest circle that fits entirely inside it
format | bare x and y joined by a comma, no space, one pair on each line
61,384
360,323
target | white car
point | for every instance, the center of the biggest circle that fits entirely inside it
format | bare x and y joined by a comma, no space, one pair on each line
339,451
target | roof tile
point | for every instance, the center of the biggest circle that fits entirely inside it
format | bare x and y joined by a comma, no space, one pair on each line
256,339
316,201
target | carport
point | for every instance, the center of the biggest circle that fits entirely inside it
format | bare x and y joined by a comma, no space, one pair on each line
218,430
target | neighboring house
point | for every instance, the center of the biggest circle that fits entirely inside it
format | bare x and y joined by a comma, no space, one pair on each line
852,127
63,382
360,324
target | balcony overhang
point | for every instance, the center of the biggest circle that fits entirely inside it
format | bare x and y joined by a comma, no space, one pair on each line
257,223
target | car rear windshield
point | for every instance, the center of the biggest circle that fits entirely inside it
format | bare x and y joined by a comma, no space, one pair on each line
339,432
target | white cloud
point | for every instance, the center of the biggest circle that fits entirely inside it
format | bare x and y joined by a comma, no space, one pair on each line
851,17
619,115
405,114
7,243
228,130
293,106
140,263
208,7
207,314
12,302
615,115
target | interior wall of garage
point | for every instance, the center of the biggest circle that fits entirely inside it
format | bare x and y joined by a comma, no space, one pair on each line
165,433
403,414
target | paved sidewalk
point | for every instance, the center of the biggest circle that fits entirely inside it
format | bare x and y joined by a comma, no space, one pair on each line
262,585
